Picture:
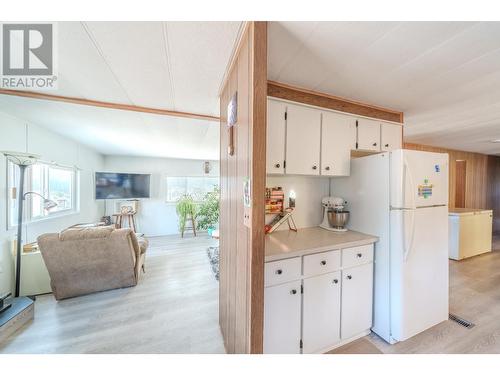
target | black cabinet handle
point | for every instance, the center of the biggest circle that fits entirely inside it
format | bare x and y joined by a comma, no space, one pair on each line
360,255
349,277
375,144
277,165
327,168
293,291
335,281
323,262
279,272
387,145
314,167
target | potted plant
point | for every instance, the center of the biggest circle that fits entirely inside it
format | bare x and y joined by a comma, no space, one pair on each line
186,210
208,212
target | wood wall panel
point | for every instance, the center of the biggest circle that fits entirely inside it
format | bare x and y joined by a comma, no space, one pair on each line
241,306
482,184
305,96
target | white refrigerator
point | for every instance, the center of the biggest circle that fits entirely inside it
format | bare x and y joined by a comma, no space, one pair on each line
402,197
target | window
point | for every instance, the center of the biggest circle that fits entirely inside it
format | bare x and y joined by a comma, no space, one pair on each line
53,182
197,187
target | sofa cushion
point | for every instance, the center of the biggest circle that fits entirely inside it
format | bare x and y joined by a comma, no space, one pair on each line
72,234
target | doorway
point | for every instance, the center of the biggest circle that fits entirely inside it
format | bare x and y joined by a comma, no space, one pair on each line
460,183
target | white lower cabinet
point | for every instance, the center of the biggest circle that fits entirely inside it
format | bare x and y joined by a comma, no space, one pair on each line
321,312
282,318
326,306
357,291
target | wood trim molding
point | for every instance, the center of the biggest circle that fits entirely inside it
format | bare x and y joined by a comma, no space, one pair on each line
319,99
109,105
259,121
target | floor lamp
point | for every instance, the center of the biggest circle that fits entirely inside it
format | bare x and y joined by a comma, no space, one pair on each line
23,160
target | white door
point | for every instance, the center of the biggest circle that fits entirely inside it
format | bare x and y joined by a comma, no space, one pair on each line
391,136
419,270
275,149
338,135
368,135
357,290
418,179
321,312
282,318
303,133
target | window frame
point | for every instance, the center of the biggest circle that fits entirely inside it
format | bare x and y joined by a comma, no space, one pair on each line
28,216
173,202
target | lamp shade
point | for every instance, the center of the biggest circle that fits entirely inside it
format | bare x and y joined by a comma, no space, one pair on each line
21,158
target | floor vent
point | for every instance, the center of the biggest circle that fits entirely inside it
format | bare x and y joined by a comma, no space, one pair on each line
461,321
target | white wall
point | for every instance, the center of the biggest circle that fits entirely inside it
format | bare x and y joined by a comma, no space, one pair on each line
155,216
309,191
17,135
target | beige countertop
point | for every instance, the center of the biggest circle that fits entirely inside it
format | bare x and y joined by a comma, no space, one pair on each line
286,244
467,211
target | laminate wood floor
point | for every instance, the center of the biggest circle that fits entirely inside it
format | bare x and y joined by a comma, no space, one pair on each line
173,309
474,295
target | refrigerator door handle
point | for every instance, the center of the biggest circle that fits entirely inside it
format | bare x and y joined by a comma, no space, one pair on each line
408,248
407,171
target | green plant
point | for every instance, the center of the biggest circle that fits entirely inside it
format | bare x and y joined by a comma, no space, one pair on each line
186,210
208,213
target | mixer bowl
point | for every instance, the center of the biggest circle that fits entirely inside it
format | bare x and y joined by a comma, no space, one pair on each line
338,219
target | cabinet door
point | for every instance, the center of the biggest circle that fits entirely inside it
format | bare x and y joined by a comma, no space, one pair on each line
275,137
282,318
368,135
338,135
321,312
303,129
357,288
391,136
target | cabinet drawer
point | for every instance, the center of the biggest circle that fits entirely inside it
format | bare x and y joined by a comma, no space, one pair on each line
355,256
316,264
282,271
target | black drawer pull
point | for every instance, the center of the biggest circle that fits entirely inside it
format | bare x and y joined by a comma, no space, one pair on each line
335,281
323,262
279,272
293,291
349,277
360,255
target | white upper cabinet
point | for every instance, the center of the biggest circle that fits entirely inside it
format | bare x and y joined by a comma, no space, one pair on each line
303,132
276,126
368,135
338,137
390,136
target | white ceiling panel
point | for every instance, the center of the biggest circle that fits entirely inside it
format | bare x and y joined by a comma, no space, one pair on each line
116,132
199,53
445,76
136,53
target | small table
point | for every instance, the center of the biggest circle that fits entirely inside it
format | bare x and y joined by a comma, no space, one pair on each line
130,216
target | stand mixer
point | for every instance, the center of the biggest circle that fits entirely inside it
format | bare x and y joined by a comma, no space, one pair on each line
334,216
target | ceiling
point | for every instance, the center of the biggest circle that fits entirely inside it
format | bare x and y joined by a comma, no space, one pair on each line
169,65
444,76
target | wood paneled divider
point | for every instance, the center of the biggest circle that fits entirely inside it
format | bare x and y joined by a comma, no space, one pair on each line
241,299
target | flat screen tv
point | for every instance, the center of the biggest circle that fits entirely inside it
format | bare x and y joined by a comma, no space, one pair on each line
109,185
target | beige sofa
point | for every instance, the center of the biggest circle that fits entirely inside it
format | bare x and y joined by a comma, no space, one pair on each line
87,260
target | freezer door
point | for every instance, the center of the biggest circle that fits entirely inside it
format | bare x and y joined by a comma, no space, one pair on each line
418,179
419,270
